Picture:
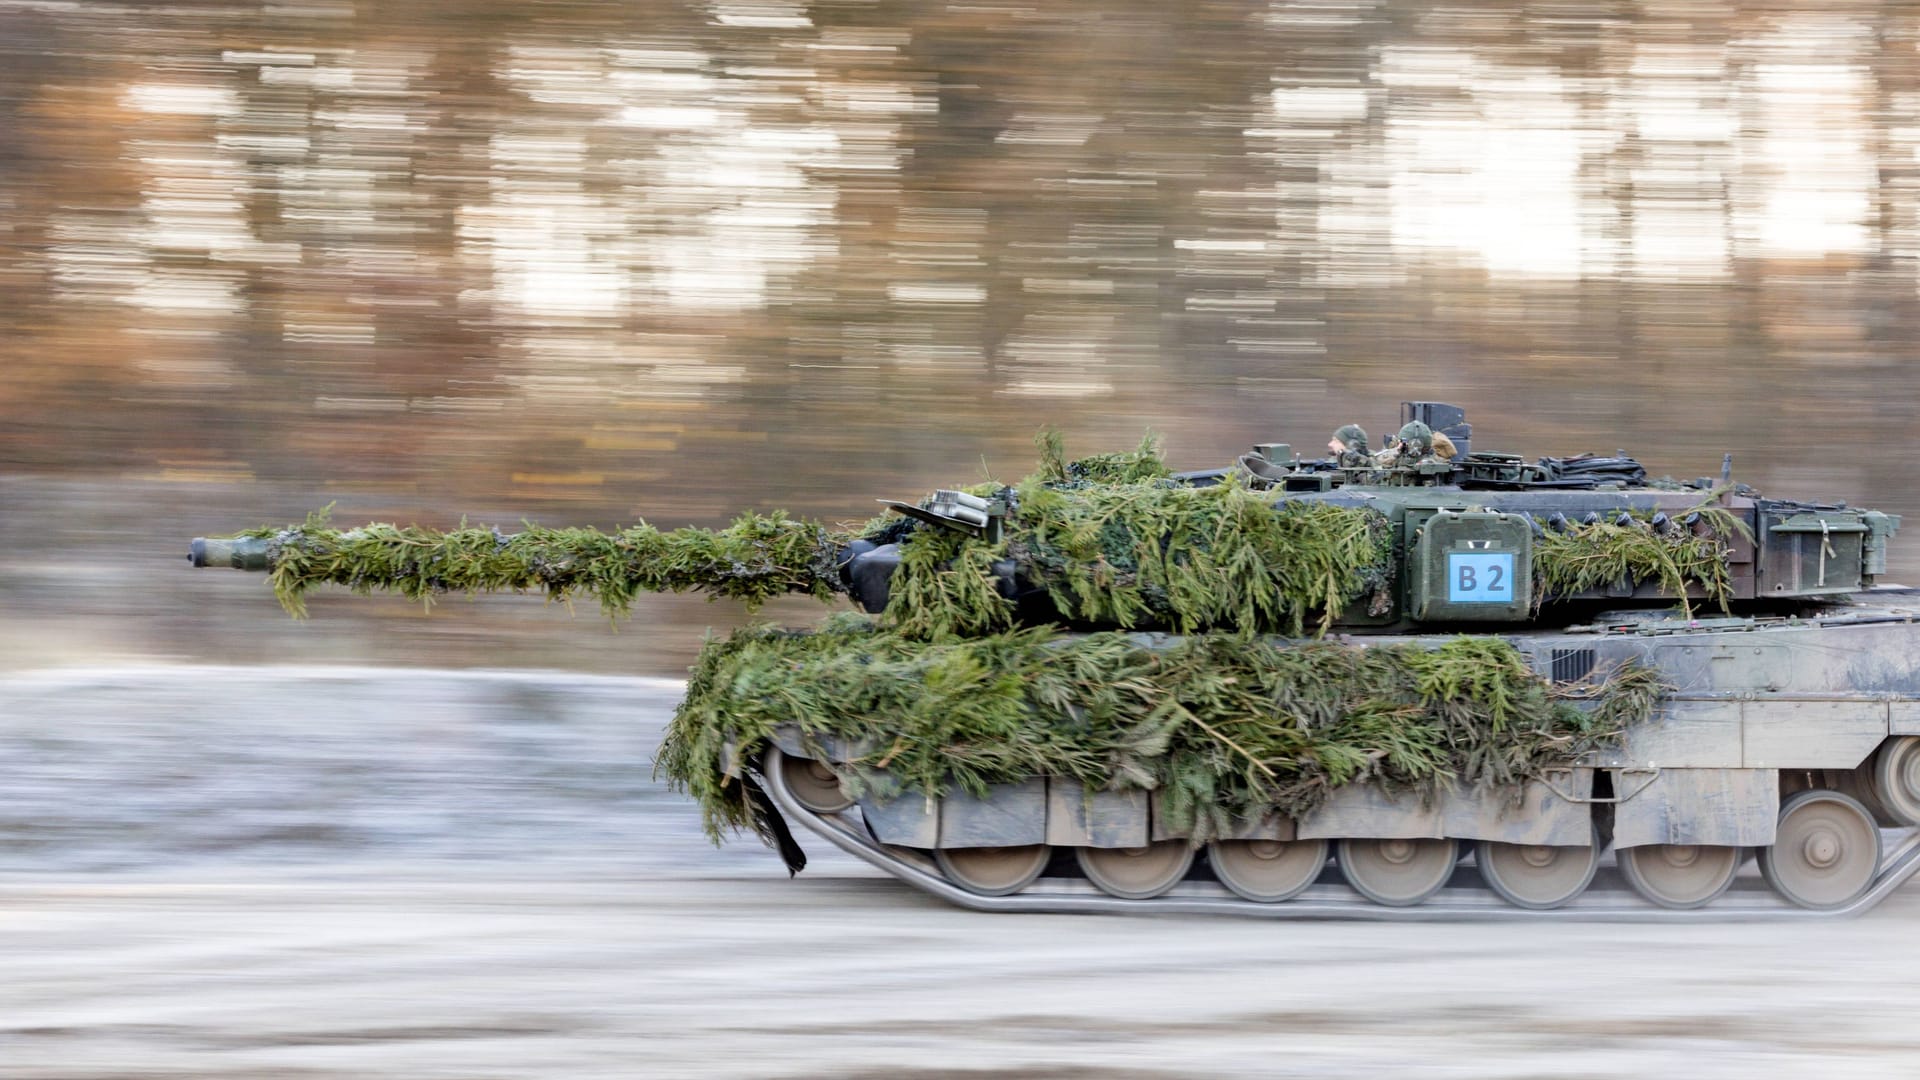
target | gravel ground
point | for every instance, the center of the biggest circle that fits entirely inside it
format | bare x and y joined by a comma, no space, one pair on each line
275,872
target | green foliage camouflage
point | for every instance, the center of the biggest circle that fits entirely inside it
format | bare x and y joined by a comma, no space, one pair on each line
1226,727
1141,463
945,587
1192,558
757,557
1111,540
945,691
1602,554
1149,554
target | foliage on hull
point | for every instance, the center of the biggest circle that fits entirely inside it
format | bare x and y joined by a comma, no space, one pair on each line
1225,726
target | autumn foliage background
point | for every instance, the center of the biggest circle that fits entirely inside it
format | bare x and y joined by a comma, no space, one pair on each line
581,263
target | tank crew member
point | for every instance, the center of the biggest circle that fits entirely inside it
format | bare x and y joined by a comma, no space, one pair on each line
1349,447
1398,450
1417,444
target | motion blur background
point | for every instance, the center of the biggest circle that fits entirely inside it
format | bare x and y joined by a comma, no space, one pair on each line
583,263
586,262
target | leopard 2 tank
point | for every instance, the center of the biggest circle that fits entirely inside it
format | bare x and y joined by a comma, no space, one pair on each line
1416,686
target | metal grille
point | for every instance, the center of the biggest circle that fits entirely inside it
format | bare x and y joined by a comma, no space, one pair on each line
1572,665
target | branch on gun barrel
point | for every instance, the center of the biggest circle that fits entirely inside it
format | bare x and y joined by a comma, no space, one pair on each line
758,557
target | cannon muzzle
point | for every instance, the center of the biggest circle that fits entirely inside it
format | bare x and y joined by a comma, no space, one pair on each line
240,552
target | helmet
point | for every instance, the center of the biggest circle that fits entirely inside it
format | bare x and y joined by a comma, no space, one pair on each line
1353,437
1417,438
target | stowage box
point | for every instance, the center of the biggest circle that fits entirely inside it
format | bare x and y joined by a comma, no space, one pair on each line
1470,566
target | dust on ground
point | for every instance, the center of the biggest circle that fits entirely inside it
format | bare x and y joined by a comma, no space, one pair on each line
272,872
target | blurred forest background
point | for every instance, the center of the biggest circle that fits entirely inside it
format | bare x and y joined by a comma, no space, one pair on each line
586,262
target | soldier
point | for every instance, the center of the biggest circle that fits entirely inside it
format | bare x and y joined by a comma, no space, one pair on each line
1417,444
1349,447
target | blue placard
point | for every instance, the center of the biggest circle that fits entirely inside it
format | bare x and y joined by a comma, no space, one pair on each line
1480,577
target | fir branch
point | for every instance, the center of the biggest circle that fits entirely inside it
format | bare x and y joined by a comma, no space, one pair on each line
757,557
1229,727
1602,554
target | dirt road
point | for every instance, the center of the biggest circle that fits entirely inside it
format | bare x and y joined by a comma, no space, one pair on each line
282,873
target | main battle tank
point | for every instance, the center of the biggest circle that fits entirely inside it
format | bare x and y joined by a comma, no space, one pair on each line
1435,683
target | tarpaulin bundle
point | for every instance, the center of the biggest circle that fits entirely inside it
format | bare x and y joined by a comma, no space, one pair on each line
1588,470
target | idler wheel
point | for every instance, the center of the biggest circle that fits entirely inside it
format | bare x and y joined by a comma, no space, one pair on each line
1397,873
1536,876
1680,876
1825,853
813,785
1896,779
993,871
1136,873
1267,871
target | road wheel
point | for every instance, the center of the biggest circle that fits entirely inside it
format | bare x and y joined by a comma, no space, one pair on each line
1680,876
1267,871
1896,779
1825,853
1397,873
1536,876
813,785
993,871
1136,873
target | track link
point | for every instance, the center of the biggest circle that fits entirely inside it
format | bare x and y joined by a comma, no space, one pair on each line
1464,899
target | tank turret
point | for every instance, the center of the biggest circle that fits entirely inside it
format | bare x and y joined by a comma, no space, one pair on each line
1485,538
1288,686
1481,538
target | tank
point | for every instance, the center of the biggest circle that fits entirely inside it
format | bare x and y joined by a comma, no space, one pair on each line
1432,682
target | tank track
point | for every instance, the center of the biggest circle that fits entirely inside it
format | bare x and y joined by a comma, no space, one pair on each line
1464,898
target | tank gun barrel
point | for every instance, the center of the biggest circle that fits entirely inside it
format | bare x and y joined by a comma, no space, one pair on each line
237,552
757,557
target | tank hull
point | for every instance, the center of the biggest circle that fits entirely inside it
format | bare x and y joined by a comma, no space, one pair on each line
1761,712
